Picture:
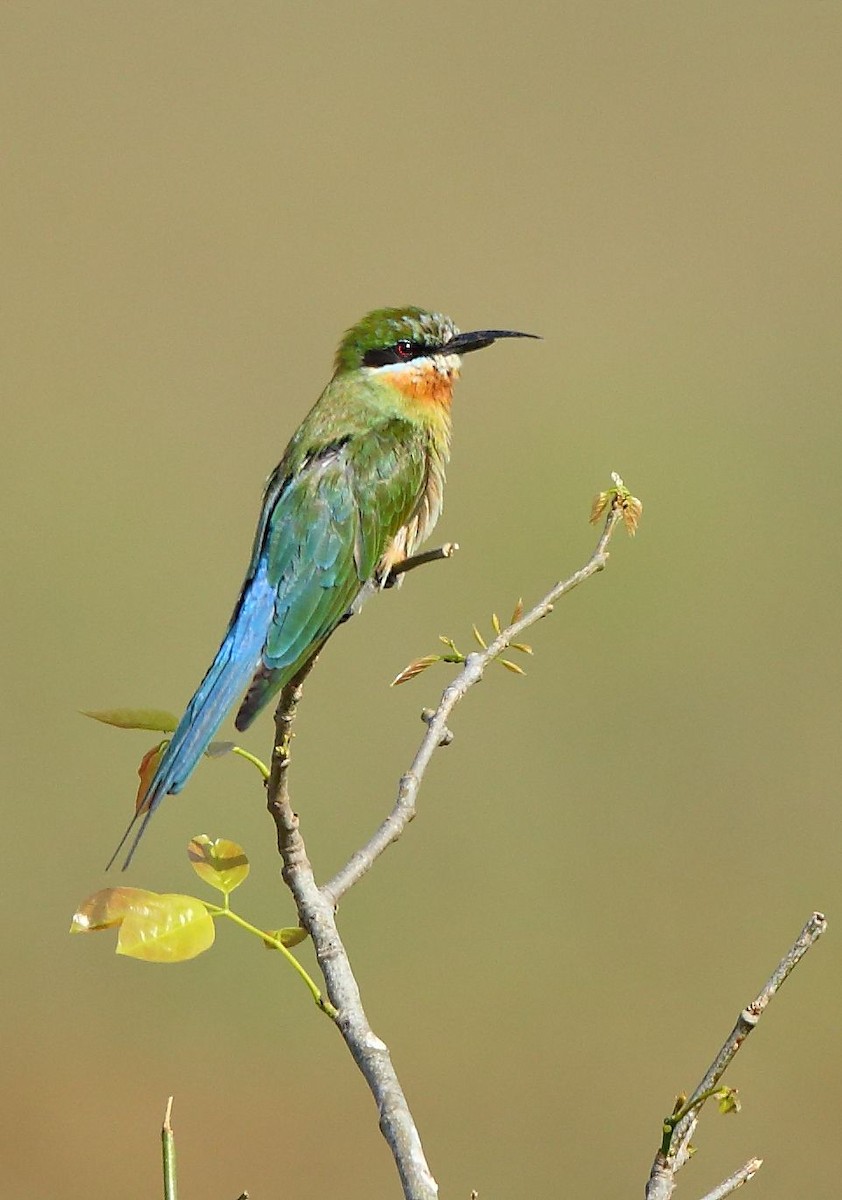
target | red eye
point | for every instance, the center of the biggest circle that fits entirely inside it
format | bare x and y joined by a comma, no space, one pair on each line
404,349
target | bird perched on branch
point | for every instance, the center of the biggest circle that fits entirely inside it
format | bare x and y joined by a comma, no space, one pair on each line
358,489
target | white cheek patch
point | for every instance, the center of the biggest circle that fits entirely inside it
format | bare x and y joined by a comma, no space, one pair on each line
442,364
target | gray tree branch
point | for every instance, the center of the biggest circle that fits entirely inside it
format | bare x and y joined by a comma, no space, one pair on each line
438,734
420,560
317,915
729,1185
675,1147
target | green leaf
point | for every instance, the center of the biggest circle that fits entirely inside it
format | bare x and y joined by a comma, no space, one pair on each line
222,864
292,935
619,498
136,718
727,1100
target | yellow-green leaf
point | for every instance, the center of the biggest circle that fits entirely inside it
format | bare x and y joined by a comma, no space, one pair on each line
222,864
728,1100
156,719
619,498
510,666
292,935
523,647
108,907
168,928
152,927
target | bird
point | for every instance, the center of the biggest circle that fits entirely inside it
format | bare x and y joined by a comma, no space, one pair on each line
358,489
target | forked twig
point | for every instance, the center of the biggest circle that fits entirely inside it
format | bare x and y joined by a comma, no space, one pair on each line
678,1129
317,906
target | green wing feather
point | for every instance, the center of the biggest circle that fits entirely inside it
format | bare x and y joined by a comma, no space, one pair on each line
325,530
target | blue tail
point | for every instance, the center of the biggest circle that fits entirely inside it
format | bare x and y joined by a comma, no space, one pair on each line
228,676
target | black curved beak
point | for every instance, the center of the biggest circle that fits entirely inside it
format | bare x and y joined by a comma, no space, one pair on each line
478,339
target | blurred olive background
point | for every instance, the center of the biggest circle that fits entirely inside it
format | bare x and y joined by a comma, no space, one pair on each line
615,851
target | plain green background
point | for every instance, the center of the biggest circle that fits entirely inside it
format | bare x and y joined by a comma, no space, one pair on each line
609,860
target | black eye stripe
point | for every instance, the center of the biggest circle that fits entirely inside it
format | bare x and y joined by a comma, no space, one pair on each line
403,351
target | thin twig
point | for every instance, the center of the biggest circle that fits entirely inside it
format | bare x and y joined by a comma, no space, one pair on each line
674,1150
420,560
437,731
736,1180
168,1150
752,1013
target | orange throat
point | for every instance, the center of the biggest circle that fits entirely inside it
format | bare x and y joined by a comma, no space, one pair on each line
427,383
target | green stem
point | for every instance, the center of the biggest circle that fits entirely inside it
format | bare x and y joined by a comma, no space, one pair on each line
671,1122
168,1147
323,1003
261,766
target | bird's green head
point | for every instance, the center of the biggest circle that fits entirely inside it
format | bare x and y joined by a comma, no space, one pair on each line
392,335
411,337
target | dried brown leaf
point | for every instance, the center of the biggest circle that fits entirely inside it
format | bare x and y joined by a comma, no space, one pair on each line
599,505
632,512
415,668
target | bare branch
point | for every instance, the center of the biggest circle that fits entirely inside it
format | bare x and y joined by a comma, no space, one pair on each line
678,1129
420,560
736,1180
437,732
168,1154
